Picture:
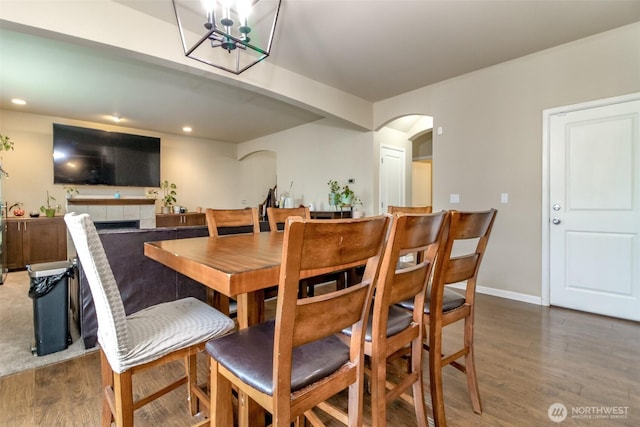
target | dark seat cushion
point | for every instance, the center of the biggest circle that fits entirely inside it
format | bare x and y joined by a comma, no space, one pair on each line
450,300
399,320
248,354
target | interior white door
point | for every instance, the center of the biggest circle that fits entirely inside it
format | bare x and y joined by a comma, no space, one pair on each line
594,237
392,177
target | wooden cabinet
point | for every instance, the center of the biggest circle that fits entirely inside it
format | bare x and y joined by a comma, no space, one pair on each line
180,220
35,240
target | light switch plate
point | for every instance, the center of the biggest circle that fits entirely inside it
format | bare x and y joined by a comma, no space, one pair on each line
454,198
504,198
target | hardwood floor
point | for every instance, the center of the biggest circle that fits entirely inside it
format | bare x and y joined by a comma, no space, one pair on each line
528,357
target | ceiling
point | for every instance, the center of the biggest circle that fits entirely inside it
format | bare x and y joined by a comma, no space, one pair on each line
373,49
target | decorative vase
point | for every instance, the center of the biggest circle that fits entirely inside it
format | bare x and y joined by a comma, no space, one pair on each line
50,212
166,209
334,199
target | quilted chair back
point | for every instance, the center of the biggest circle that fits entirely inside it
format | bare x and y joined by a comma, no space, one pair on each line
113,334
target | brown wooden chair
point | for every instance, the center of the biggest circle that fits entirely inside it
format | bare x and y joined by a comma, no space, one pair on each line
278,216
152,337
445,306
235,221
391,329
238,220
296,362
410,209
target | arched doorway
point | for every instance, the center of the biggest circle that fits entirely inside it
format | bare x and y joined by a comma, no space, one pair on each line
416,132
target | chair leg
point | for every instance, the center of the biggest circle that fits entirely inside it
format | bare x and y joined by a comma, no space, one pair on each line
470,367
191,368
378,380
435,379
418,387
107,385
221,406
356,399
123,394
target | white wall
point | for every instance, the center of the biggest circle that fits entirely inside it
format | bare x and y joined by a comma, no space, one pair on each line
207,173
492,139
310,155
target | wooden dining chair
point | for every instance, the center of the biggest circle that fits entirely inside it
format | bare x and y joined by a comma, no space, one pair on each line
278,216
457,263
233,221
151,337
295,362
393,331
236,220
410,209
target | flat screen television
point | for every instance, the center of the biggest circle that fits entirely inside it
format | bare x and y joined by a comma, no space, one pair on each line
83,156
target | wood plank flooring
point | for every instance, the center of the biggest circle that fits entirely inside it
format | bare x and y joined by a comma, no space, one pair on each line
528,357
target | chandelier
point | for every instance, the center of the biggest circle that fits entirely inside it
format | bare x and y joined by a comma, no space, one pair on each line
232,35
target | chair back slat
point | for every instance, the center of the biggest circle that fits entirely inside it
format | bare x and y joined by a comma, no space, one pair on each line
343,245
410,209
278,216
461,268
327,316
113,334
234,218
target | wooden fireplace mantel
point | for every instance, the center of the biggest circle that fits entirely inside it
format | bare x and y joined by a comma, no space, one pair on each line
110,202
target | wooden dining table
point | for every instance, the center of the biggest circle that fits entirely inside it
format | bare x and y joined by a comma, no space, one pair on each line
239,266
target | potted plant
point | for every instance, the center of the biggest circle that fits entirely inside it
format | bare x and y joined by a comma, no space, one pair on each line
169,198
346,196
357,201
71,191
334,192
6,144
152,193
18,211
51,207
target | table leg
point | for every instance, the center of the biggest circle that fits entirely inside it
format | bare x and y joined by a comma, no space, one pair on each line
250,309
218,301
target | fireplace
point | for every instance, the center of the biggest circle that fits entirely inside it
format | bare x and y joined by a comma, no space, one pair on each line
123,213
116,225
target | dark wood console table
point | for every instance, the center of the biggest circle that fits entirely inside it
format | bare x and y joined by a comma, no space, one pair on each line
330,214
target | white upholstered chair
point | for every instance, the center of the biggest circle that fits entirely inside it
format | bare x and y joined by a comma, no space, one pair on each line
156,335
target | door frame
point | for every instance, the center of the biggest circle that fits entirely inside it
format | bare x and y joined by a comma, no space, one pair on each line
546,179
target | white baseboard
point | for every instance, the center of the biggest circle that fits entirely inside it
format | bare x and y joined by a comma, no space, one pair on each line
516,296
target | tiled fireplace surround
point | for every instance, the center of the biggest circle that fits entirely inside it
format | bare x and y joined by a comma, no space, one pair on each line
114,210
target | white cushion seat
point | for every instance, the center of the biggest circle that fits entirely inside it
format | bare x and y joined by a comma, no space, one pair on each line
164,328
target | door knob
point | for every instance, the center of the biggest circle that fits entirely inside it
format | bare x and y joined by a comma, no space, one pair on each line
556,207
556,221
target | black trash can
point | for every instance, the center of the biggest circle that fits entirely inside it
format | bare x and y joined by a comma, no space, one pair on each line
49,290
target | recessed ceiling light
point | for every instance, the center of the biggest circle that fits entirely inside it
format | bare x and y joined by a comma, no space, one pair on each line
18,101
116,118
187,129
